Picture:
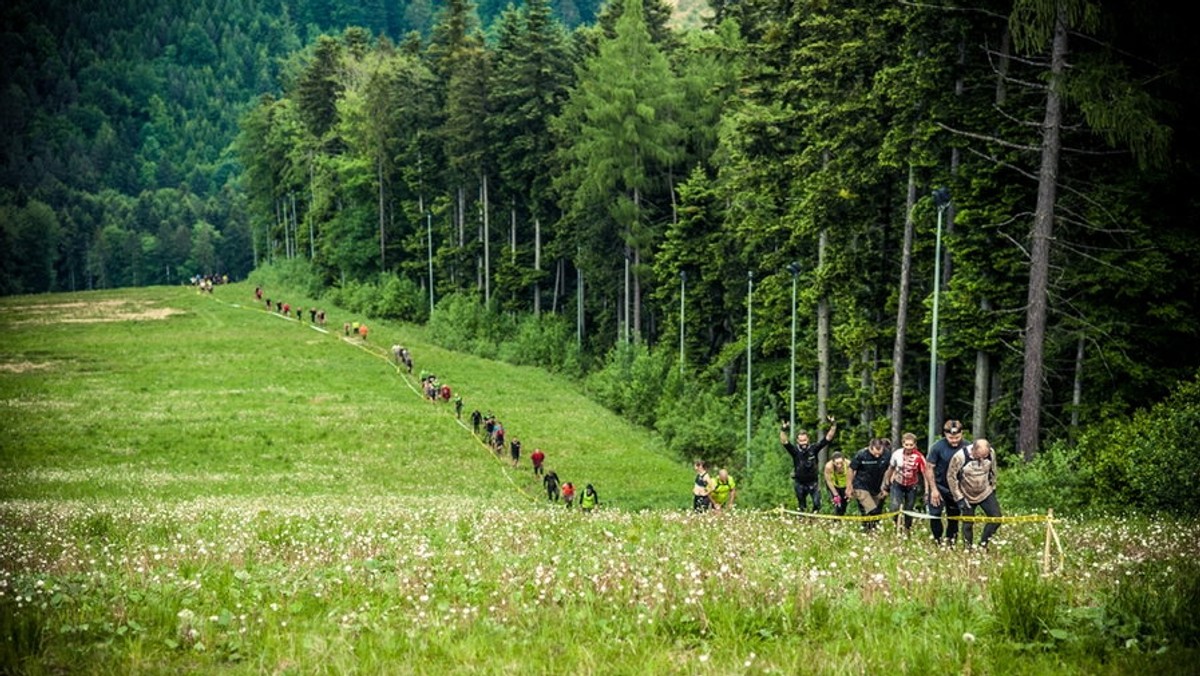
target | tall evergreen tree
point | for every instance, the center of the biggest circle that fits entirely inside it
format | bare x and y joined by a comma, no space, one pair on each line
623,139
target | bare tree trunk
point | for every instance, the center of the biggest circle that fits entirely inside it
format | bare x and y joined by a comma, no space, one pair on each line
1039,263
487,258
623,313
822,342
579,305
983,377
1077,389
867,415
537,267
897,413
637,282
382,221
1002,65
312,197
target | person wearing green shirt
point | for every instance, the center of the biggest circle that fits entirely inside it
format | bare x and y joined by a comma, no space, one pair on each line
724,493
835,480
590,499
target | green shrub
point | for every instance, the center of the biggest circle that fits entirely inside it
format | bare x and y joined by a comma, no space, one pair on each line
698,423
461,322
295,274
547,342
1054,480
400,298
1140,461
630,382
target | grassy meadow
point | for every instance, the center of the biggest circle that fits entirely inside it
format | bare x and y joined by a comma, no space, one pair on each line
189,483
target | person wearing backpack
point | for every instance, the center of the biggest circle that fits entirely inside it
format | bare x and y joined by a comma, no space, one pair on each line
805,458
972,476
940,454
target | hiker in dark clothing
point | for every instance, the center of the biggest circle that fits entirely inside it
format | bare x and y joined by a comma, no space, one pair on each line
805,463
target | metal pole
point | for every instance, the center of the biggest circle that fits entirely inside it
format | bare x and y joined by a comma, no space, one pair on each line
749,361
941,198
429,239
682,292
794,268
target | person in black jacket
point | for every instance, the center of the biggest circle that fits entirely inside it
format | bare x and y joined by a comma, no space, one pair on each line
865,476
805,463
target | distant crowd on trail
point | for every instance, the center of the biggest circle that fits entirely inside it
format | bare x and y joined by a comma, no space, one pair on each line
315,316
206,282
957,479
493,434
487,428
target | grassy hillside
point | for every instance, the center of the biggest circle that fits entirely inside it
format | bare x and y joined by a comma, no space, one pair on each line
169,394
191,484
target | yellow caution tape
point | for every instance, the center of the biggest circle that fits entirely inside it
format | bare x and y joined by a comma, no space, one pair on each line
1024,518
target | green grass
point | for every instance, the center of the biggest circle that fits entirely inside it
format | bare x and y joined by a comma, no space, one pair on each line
224,491
226,399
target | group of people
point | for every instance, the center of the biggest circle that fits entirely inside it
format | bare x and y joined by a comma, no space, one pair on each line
317,317
493,432
709,493
494,436
403,357
957,479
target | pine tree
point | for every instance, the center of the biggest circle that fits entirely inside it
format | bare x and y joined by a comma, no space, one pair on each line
624,139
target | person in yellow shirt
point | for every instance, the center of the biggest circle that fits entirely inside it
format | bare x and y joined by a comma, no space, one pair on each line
724,492
835,480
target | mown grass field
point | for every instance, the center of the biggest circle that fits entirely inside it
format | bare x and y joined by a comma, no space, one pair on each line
191,484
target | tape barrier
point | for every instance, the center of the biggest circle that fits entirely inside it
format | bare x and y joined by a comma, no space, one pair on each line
1024,518
834,517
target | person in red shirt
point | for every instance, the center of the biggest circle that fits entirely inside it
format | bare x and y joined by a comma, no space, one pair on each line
568,494
537,458
904,473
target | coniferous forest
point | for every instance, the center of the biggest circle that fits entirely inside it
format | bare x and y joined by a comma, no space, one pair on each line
663,207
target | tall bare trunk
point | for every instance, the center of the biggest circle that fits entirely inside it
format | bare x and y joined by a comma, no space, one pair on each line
537,267
867,415
637,281
1077,388
1039,263
382,221
898,345
823,327
981,400
487,258
983,377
